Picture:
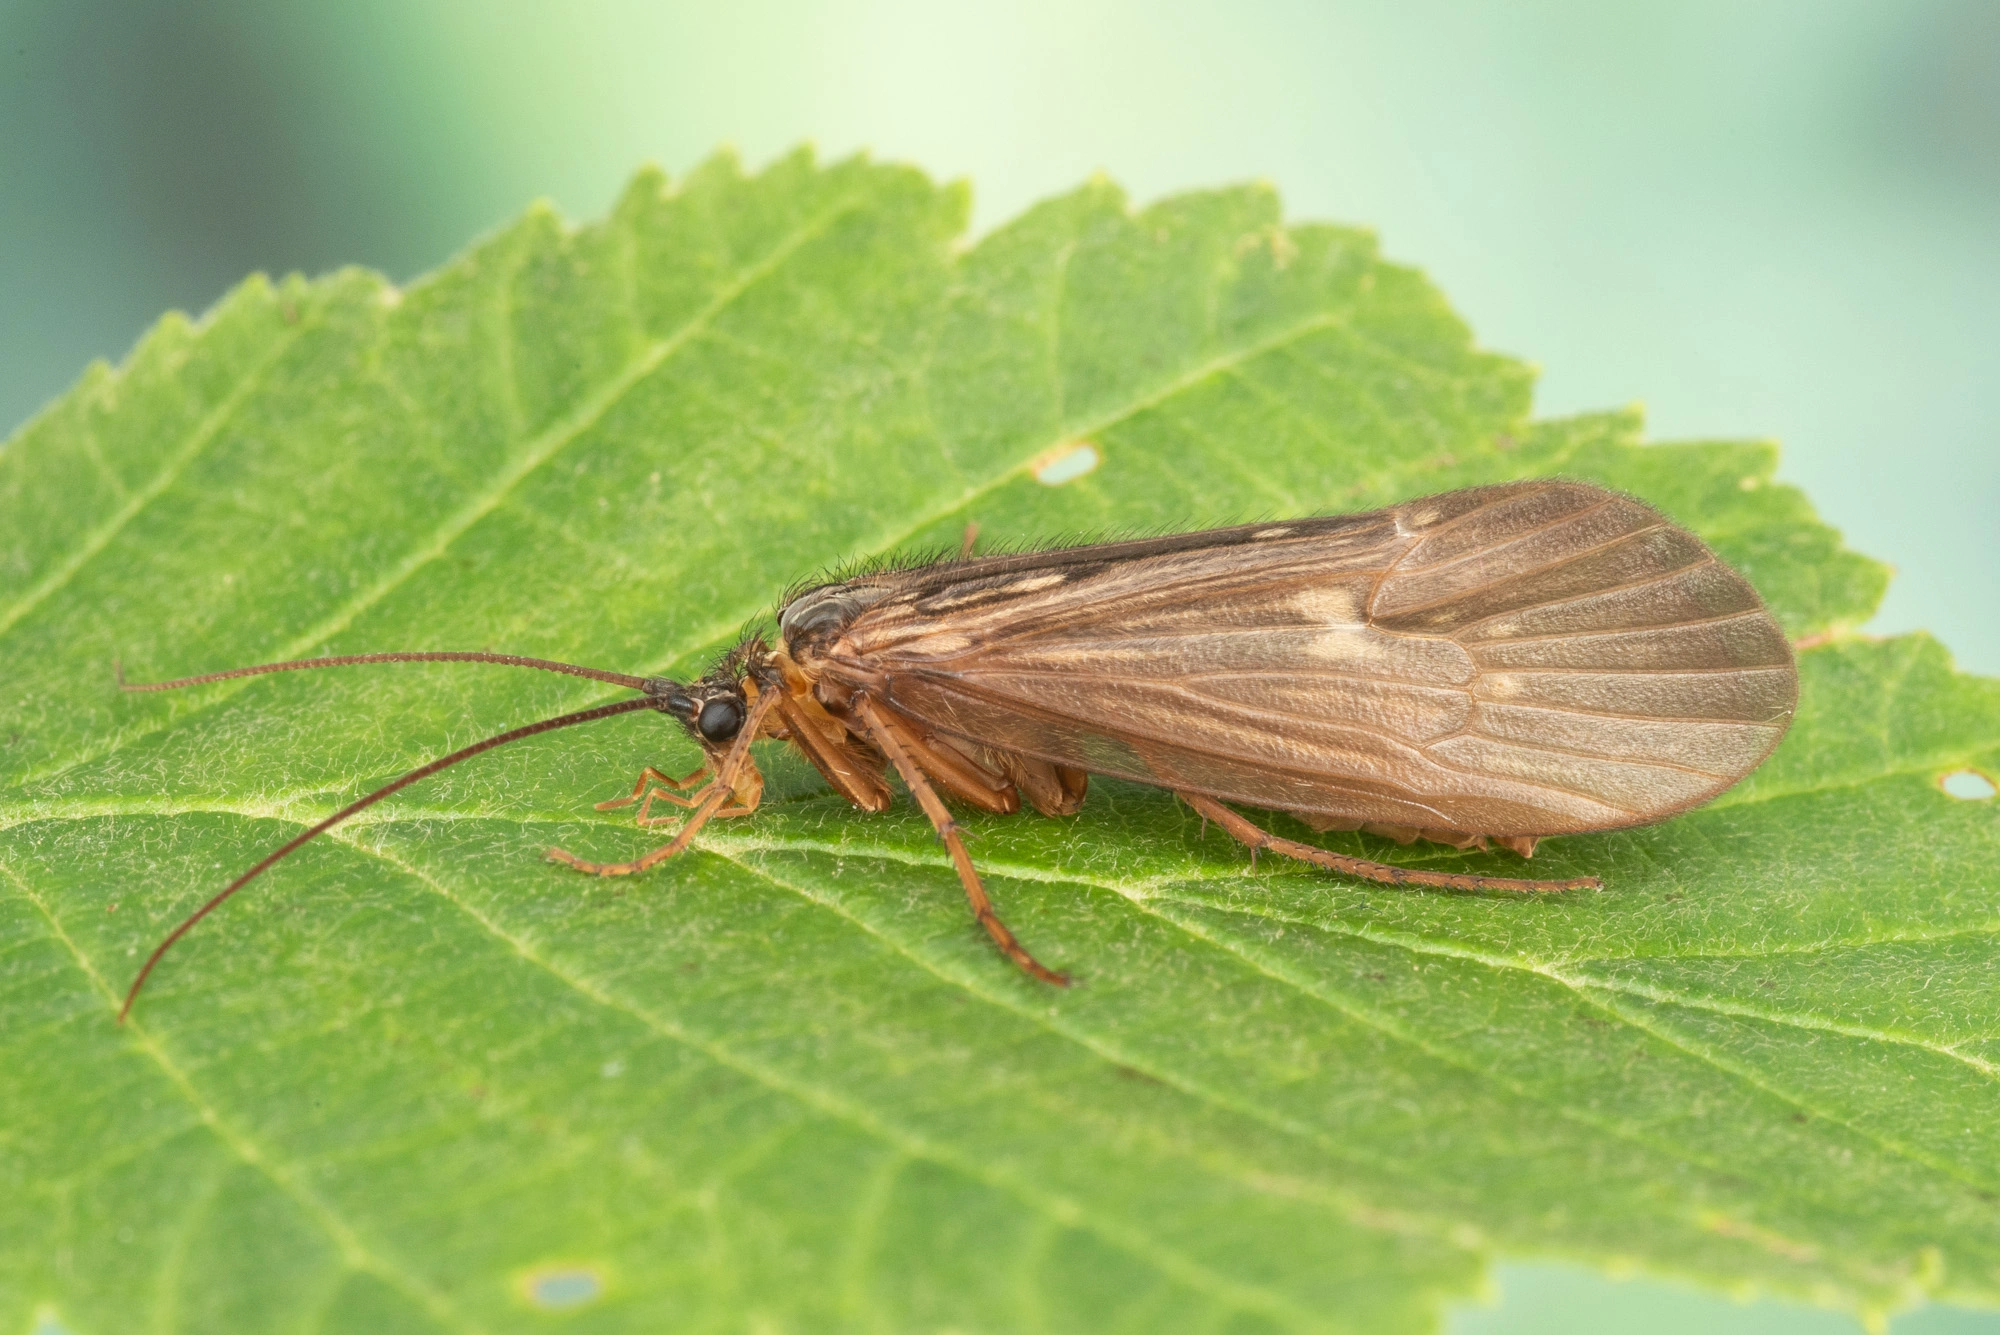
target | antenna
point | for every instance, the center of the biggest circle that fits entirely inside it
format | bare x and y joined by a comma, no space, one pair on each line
417,656
656,688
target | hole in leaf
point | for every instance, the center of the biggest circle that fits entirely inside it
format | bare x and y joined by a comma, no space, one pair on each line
1968,785
1066,463
560,1290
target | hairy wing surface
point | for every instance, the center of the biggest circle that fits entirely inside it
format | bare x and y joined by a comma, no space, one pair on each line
1536,658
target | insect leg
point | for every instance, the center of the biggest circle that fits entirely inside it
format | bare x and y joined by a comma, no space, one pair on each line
1053,790
825,741
1381,872
651,775
716,797
739,806
646,818
743,805
736,763
958,774
884,736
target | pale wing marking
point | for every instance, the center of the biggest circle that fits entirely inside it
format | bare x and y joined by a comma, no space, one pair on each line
1721,619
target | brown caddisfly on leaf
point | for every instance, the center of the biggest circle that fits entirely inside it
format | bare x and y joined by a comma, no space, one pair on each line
1503,663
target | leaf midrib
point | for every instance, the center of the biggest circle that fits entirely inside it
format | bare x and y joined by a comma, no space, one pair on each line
288,808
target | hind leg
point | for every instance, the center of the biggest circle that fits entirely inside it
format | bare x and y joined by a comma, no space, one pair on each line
1379,872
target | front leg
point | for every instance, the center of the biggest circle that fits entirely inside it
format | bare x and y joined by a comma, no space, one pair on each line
646,819
736,779
737,805
651,775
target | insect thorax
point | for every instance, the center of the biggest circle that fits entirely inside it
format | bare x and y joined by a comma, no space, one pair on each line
817,616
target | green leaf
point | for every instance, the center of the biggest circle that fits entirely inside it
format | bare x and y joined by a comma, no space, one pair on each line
420,1079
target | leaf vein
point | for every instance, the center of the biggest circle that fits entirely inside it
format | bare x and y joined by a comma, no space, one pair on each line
539,451
832,1105
205,432
357,1254
1749,1076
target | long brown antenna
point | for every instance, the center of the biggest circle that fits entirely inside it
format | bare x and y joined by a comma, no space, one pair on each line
416,656
422,772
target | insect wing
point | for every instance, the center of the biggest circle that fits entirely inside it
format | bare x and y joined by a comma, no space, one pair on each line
1537,658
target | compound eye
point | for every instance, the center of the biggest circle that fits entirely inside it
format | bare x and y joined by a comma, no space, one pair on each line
719,719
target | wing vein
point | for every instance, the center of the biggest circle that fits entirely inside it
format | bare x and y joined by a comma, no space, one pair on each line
1569,558
1511,539
1648,763
1656,577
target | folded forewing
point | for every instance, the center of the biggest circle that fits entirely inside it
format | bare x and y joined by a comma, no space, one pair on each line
1538,658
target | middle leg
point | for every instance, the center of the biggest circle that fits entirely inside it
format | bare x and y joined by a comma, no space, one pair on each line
883,734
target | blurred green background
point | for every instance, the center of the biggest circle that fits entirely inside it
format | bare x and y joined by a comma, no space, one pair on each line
1774,219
